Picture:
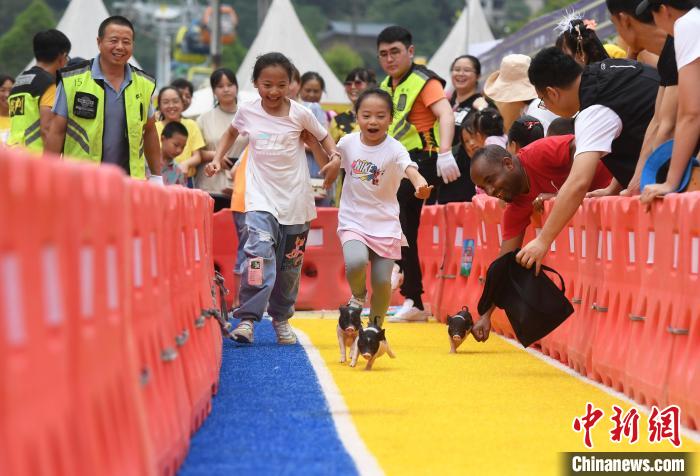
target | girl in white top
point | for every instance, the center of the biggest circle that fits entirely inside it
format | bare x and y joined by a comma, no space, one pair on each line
279,202
368,219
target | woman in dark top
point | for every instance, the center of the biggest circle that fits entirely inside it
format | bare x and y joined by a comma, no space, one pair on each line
464,72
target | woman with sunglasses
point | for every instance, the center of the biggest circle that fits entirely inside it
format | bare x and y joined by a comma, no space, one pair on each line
356,81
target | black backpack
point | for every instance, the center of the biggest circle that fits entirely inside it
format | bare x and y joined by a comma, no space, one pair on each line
535,305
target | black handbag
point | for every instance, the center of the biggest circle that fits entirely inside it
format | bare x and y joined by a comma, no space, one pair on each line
538,307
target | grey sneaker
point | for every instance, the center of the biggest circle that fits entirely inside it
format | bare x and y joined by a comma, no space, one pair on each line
243,333
285,334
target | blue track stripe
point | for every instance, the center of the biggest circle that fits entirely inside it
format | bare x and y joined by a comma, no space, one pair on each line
269,417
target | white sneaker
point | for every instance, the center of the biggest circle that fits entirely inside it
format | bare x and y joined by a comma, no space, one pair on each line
356,303
243,333
409,313
396,277
285,334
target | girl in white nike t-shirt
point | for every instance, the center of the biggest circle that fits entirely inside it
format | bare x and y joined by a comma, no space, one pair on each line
368,219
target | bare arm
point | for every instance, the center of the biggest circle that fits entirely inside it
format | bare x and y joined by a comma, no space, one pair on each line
419,183
568,200
45,116
225,143
686,133
665,122
207,155
443,112
56,136
151,146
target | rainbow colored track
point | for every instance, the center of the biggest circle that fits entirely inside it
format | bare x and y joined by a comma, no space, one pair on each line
492,408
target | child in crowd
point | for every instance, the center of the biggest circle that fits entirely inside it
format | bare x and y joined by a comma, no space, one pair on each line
577,38
524,131
374,164
278,201
171,106
482,128
561,126
172,143
311,89
294,85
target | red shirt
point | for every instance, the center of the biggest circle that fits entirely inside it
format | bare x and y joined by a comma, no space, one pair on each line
547,163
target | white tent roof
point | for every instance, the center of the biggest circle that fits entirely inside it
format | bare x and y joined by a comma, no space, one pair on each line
80,23
470,35
282,32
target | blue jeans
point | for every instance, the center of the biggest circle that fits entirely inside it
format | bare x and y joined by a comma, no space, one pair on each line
242,233
281,248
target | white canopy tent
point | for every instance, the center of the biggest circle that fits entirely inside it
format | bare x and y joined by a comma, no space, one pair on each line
80,23
283,32
470,35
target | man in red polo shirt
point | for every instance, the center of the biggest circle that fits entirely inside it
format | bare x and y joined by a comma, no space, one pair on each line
523,181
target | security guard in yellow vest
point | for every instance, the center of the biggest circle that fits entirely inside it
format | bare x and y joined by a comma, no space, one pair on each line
103,107
424,123
33,93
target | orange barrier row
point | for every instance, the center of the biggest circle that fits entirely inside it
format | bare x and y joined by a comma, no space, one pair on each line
107,355
632,277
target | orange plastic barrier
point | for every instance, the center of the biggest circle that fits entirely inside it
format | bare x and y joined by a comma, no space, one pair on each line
431,252
684,370
37,419
224,249
461,221
588,290
323,284
106,289
162,375
657,300
489,246
622,277
563,257
187,338
107,394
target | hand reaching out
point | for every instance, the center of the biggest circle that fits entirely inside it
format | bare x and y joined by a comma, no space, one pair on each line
423,191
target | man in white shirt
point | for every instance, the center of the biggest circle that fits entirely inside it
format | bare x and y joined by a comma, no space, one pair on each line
680,18
616,99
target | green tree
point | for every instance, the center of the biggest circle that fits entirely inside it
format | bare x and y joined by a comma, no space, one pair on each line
342,59
233,55
313,20
16,45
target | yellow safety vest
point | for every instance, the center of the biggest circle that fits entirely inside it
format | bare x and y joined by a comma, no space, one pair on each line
404,96
25,123
86,110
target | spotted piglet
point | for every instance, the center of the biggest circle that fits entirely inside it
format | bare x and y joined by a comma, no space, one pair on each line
458,326
372,344
349,326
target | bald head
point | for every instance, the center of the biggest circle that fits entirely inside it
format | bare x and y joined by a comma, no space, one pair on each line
497,172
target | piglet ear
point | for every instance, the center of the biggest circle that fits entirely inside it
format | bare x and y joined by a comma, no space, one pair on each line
381,335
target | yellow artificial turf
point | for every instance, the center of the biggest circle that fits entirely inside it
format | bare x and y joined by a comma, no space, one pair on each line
491,409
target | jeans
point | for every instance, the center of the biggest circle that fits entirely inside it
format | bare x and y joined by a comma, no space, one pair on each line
281,250
242,233
409,215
